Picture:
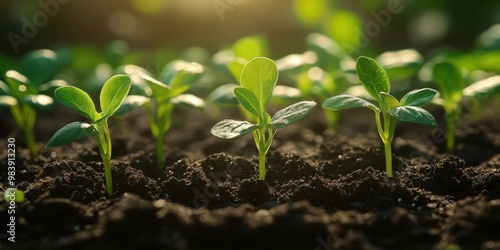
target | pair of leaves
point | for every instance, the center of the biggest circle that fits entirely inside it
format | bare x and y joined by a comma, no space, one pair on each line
179,75
19,89
408,113
176,78
258,81
229,129
112,95
376,83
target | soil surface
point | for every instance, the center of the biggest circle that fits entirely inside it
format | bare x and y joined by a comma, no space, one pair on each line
323,190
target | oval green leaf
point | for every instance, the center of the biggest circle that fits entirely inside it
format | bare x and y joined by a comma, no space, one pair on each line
388,101
139,86
484,89
328,52
40,65
295,62
159,90
418,97
19,85
250,47
372,76
4,88
413,114
401,64
38,101
113,93
260,76
77,99
236,67
50,87
282,92
342,102
130,103
9,101
179,75
229,129
291,114
223,95
71,132
449,78
248,100
189,101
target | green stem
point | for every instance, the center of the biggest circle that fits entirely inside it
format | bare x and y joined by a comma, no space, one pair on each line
453,113
388,158
105,147
30,141
25,118
164,120
262,164
333,119
30,117
263,144
159,151
386,134
450,137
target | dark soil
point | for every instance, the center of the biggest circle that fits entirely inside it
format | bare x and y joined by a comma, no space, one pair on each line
322,190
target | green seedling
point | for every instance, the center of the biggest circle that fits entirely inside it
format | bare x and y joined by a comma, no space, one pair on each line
450,80
258,80
390,110
164,94
24,98
321,72
25,94
112,95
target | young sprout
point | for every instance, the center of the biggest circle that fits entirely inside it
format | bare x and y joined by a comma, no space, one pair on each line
24,98
176,78
450,80
258,80
451,84
390,110
25,94
112,95
320,72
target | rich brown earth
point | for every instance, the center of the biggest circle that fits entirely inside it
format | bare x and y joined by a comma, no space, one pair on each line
322,190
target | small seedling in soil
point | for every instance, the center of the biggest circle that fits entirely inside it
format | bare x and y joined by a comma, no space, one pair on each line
390,110
25,95
258,80
24,98
167,92
321,72
450,80
112,95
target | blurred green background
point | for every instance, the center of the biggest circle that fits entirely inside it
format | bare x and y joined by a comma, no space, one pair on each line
179,24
